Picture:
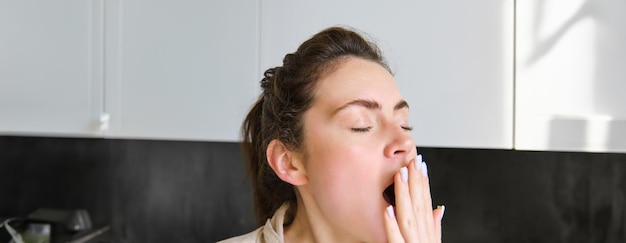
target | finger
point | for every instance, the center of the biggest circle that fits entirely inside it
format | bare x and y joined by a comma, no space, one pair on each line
425,184
416,186
407,222
437,217
391,226
421,203
426,194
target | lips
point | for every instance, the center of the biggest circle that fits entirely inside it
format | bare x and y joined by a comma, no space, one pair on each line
389,195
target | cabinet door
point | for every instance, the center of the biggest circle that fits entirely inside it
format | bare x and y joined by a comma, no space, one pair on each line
570,75
452,59
50,67
181,69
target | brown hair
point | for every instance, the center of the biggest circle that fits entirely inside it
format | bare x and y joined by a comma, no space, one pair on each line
288,92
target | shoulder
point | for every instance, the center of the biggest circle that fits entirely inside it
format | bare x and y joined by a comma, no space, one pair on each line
252,237
271,232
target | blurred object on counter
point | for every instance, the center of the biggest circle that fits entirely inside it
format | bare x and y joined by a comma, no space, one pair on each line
53,226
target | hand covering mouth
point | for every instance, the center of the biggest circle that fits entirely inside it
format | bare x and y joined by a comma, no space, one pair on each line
389,195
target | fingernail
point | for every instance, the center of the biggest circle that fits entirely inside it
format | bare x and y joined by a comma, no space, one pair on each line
390,212
417,163
404,173
443,209
424,169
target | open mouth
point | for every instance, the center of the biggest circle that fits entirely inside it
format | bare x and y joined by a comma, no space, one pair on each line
389,195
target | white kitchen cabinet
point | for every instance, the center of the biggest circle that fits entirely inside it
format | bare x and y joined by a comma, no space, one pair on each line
570,75
157,69
452,59
50,67
189,69
181,69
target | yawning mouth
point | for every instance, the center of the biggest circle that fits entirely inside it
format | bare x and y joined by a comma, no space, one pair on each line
389,195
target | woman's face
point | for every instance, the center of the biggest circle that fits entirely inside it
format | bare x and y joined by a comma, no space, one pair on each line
356,139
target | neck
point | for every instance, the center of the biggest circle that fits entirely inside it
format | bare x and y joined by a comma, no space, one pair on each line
300,228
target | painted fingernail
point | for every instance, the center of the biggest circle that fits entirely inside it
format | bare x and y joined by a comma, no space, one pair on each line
404,173
390,212
419,158
424,169
443,209
417,163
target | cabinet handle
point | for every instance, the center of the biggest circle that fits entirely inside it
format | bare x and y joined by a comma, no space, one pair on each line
104,122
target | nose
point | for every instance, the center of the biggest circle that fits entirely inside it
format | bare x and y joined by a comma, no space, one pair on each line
400,145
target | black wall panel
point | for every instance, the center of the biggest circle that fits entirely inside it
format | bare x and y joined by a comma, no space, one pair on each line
178,191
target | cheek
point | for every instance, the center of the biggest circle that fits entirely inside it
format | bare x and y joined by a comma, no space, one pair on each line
341,157
336,162
340,170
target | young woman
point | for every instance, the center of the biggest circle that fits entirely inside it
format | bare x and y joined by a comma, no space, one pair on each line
330,153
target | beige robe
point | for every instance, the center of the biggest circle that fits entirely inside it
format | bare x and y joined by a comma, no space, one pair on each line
271,232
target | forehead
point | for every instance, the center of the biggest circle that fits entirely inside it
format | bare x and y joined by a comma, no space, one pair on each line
356,78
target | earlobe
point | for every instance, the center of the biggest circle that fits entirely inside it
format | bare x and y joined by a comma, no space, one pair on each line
285,163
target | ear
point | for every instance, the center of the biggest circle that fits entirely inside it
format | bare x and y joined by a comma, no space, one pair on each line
286,164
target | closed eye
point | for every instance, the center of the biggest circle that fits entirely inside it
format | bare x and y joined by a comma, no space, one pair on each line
407,128
361,129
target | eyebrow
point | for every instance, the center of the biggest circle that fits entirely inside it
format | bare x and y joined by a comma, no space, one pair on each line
371,105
